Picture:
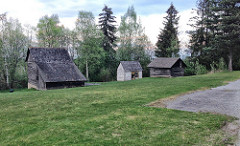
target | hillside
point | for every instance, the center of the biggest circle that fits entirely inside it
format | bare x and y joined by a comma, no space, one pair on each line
110,114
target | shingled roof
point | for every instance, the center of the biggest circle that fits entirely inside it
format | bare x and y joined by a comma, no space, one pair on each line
163,62
54,64
131,66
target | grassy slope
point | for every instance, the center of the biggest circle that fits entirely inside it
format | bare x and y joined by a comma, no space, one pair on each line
112,113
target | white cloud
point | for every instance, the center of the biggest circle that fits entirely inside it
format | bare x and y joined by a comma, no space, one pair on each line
30,11
27,11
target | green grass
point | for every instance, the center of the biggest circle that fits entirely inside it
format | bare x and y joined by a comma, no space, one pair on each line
110,114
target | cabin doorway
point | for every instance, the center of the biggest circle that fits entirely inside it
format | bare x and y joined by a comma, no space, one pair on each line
134,75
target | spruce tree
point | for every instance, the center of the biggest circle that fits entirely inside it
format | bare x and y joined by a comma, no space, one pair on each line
228,36
201,44
106,21
168,43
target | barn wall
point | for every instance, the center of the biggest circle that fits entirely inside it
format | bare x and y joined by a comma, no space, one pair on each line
32,75
159,72
177,71
120,73
128,76
41,83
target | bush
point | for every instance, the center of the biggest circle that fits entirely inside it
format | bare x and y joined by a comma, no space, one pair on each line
221,65
21,81
105,75
190,69
200,69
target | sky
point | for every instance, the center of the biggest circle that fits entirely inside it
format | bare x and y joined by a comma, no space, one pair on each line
151,12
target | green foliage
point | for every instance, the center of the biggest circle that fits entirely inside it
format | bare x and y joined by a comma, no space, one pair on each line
194,67
190,69
91,55
13,47
111,114
106,23
133,41
105,75
49,31
200,69
221,65
168,43
217,32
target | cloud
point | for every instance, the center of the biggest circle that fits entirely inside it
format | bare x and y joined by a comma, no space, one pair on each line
151,12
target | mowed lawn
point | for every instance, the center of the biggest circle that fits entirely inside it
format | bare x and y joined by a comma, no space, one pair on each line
110,114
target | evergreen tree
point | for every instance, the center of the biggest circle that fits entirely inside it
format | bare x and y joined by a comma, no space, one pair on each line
228,35
106,21
168,43
202,38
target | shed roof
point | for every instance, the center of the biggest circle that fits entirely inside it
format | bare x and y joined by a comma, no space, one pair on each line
55,64
131,65
163,62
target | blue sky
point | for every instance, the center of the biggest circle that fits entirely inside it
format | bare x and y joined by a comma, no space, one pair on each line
151,12
143,7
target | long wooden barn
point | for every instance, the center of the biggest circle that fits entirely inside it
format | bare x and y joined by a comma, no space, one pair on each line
166,67
51,68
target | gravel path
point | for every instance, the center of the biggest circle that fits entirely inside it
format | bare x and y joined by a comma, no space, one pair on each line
223,100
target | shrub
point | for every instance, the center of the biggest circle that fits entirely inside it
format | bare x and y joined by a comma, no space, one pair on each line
200,69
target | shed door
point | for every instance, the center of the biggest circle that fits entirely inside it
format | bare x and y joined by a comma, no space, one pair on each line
135,75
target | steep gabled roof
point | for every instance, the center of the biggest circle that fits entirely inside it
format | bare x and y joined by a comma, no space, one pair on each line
163,62
131,65
48,55
60,72
55,64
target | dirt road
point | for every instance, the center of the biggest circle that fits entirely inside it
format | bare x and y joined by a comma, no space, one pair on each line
223,100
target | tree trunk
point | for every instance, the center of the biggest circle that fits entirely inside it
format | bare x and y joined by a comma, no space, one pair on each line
86,69
7,74
230,56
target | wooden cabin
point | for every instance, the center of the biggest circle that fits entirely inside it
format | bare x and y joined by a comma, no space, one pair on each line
51,68
129,70
166,67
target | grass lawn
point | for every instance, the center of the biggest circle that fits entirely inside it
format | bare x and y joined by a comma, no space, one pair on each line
110,114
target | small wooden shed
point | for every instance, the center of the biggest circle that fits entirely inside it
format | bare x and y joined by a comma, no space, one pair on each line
129,70
166,67
51,68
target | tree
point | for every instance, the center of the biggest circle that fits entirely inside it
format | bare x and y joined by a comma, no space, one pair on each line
13,46
202,38
49,31
106,21
217,32
168,43
132,40
228,35
91,54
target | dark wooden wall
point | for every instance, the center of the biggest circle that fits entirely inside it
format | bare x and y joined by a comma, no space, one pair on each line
159,72
58,85
177,71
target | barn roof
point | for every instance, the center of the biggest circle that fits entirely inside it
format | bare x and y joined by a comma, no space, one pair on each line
131,65
163,62
55,64
48,55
